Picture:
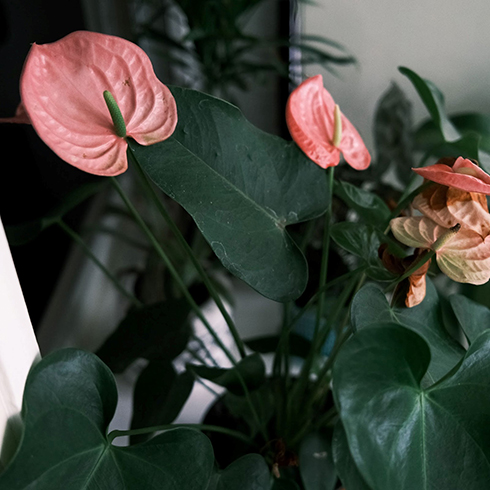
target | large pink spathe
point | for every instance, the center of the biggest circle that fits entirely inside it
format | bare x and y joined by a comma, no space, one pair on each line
62,88
464,175
311,122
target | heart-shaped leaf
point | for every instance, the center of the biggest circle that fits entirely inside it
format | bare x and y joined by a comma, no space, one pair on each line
473,317
404,436
242,187
344,464
159,332
69,400
370,308
250,369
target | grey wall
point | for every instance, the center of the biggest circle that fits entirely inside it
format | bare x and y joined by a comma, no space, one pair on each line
445,41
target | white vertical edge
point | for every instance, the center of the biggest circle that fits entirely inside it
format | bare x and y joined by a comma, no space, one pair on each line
18,351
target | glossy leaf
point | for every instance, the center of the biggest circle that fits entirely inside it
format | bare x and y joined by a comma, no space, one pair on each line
434,102
242,187
404,436
346,467
251,369
315,462
154,332
369,206
370,308
69,400
159,395
473,317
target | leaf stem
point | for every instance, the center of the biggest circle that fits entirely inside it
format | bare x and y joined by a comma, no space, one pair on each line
194,306
188,250
81,243
211,428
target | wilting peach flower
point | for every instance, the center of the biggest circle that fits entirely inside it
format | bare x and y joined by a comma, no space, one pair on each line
321,130
448,206
462,174
414,286
462,255
62,87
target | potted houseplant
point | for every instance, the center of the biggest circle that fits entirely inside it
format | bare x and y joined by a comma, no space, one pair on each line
397,400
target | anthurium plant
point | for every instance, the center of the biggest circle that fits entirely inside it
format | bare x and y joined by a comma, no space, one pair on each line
391,388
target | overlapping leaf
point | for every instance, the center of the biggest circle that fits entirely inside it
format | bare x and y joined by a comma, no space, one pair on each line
69,400
404,436
370,308
242,187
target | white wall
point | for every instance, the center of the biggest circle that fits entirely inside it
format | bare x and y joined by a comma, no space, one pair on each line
445,41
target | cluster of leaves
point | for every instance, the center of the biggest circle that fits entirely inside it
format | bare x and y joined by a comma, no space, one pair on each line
218,43
409,400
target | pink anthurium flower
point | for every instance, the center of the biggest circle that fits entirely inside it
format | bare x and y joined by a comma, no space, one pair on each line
448,206
462,255
321,130
62,89
463,174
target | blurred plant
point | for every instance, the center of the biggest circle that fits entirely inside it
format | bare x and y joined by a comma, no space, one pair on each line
211,44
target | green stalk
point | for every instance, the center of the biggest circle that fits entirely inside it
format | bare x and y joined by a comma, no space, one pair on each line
211,428
80,242
325,251
188,250
158,249
194,306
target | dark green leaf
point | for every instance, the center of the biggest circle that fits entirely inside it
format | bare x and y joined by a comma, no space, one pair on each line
284,484
316,463
242,187
344,464
434,102
251,369
404,436
369,206
370,308
393,133
69,399
159,395
473,317
474,143
363,241
250,472
154,332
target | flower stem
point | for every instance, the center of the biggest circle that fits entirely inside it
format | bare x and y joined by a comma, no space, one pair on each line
188,250
194,306
80,242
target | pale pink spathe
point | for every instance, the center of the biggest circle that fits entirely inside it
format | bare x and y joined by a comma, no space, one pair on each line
62,88
464,175
464,258
310,119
